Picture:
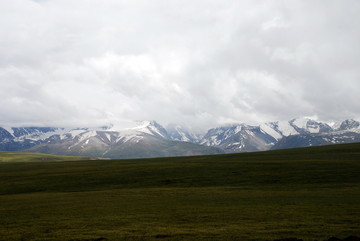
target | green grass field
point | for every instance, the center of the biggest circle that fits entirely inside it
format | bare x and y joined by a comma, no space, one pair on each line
35,157
309,193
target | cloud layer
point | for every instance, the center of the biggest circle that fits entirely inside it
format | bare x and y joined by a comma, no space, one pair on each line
201,64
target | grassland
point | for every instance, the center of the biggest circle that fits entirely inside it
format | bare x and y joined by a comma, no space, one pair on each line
35,157
309,193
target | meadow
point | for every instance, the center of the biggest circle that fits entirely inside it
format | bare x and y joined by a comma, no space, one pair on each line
309,193
7,156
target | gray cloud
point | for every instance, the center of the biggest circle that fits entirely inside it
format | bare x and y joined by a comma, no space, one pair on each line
200,63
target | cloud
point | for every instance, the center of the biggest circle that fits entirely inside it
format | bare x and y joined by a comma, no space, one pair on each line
200,64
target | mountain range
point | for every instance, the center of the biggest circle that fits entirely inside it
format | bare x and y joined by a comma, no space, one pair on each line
300,132
150,139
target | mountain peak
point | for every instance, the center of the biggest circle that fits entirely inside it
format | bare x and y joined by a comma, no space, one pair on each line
151,127
307,125
349,124
301,122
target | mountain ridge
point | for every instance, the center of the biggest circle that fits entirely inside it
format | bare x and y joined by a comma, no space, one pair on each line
150,139
281,135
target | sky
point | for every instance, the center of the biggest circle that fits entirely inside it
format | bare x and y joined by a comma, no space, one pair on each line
200,63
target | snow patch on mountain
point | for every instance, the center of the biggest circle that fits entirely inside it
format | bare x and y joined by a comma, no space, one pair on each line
75,132
284,128
349,125
335,125
180,133
86,135
268,129
129,136
306,125
301,122
38,134
9,130
241,138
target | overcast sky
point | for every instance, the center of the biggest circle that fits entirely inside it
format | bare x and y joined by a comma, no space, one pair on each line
199,63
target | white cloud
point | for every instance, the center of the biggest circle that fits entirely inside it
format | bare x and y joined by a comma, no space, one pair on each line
199,63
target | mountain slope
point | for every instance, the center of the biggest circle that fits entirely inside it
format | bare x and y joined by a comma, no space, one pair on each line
347,131
117,145
179,133
239,138
306,125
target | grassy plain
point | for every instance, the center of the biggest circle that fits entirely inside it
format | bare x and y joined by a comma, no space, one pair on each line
309,193
6,156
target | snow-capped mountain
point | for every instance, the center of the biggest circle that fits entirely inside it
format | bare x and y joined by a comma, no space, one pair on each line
348,125
147,139
318,139
239,138
145,127
150,139
347,131
179,133
306,125
298,132
279,129
244,138
19,138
